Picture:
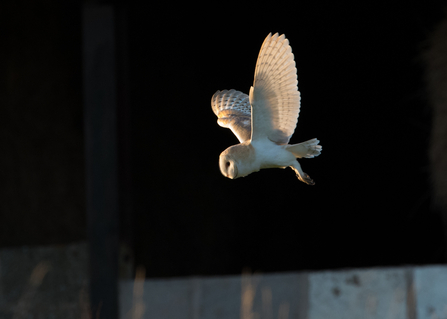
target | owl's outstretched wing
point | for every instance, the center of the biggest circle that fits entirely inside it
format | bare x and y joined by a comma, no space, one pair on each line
234,112
274,95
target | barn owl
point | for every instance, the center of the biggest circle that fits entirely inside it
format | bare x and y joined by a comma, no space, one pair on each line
264,120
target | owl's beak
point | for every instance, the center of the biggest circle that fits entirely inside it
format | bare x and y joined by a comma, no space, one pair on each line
234,172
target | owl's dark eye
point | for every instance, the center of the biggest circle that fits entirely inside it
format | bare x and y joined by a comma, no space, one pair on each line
227,164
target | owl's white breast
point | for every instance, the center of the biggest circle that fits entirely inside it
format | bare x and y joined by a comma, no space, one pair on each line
271,155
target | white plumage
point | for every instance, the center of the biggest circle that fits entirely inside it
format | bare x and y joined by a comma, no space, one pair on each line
264,120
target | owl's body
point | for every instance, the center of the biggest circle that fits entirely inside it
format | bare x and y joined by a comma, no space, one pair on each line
259,155
264,120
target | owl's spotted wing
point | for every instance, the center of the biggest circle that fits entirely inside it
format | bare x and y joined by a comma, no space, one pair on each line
234,112
274,95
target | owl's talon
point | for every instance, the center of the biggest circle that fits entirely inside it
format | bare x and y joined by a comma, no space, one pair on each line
306,179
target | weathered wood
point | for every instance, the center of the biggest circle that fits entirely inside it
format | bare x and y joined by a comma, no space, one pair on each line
100,122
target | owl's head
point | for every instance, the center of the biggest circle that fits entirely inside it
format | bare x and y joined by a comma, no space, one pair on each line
236,161
228,166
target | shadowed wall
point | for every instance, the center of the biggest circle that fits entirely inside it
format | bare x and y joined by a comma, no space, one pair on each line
436,76
41,141
362,96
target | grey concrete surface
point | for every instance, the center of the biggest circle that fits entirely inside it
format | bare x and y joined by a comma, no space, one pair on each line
52,282
257,296
430,284
369,293
375,293
44,282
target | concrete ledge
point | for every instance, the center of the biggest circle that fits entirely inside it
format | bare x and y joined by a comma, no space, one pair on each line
401,293
430,285
51,282
44,282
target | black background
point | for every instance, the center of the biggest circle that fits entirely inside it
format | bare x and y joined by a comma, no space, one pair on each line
361,78
360,73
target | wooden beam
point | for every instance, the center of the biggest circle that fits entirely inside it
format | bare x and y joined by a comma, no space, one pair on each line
100,127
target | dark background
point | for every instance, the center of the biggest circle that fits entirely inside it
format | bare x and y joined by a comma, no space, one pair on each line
361,78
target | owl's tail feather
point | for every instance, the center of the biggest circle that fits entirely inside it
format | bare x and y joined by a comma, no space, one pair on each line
307,149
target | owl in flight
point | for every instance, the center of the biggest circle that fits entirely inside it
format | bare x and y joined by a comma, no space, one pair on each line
264,120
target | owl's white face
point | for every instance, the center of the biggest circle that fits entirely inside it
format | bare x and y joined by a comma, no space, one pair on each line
238,161
228,166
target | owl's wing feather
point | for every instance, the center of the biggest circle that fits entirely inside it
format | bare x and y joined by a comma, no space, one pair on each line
274,96
234,112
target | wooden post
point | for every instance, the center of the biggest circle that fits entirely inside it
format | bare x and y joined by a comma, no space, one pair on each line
100,127
126,264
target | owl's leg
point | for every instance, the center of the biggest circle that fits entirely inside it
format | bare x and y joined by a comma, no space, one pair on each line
301,175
